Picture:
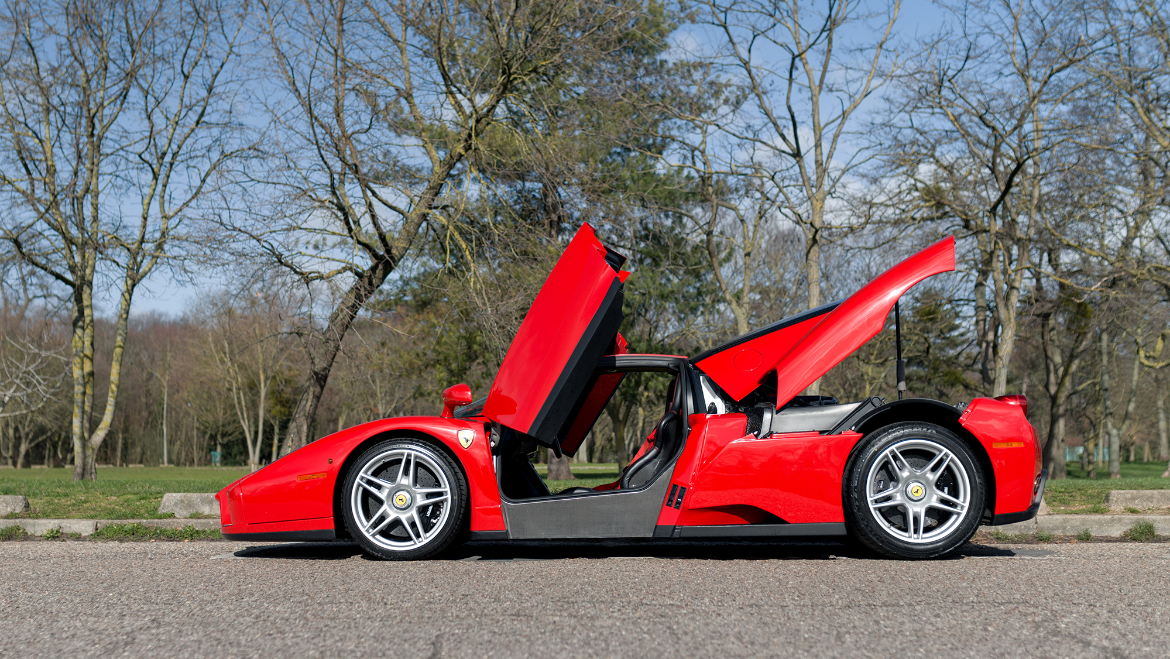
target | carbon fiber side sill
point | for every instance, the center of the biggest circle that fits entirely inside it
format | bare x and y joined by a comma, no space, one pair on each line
488,535
762,530
284,536
663,531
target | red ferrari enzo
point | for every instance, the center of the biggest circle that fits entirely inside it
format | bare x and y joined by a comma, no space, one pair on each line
737,452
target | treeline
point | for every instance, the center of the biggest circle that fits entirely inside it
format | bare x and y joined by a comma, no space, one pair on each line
367,196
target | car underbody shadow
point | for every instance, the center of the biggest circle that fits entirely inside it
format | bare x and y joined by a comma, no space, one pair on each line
551,550
318,551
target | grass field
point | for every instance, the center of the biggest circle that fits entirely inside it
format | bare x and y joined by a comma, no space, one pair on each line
1078,494
588,475
124,493
118,493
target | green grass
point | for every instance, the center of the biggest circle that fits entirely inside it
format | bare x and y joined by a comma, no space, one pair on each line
588,475
13,533
118,493
1141,532
1079,494
140,532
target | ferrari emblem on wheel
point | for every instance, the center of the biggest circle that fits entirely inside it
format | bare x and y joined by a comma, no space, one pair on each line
916,491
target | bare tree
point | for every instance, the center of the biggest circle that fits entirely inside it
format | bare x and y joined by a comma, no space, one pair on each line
115,118
385,101
984,108
29,377
802,88
249,347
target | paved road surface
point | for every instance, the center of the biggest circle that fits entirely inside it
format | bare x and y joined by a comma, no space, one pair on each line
218,599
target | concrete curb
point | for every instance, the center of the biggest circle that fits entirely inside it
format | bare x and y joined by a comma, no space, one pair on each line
13,503
1098,525
185,505
89,526
1119,500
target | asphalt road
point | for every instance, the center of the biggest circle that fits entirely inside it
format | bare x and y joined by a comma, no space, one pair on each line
219,599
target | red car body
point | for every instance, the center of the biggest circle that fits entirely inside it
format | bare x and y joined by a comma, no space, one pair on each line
731,474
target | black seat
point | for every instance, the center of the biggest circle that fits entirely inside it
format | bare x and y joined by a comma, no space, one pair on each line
643,470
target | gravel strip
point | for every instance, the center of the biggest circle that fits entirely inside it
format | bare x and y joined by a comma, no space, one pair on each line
203,599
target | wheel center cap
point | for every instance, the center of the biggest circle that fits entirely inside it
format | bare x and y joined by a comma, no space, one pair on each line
401,500
915,491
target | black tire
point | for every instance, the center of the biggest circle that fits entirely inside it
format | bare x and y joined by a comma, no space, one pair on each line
398,524
923,510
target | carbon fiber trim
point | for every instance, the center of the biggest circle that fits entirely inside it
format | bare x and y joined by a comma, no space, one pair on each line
610,514
284,536
762,530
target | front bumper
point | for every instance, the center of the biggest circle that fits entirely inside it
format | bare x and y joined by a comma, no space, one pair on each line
1037,498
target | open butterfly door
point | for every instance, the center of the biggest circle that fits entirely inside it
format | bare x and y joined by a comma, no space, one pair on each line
545,379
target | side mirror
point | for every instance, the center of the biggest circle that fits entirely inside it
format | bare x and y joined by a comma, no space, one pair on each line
455,396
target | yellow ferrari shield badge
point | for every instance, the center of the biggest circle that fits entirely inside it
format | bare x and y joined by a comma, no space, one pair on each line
916,491
466,437
400,500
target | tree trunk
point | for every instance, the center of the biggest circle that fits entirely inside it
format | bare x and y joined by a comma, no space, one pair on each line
558,468
1163,432
275,438
1111,431
322,356
166,438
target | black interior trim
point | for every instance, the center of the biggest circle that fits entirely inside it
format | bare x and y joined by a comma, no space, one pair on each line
474,408
768,329
615,260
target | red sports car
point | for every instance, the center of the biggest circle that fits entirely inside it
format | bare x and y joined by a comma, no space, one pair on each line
736,452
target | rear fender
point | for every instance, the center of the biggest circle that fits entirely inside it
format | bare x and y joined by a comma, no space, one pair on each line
939,414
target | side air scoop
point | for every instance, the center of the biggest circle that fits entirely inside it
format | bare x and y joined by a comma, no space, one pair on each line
803,348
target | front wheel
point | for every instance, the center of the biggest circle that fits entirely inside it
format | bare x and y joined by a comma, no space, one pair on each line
404,499
914,490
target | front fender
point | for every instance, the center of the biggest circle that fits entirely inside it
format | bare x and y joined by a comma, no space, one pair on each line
299,488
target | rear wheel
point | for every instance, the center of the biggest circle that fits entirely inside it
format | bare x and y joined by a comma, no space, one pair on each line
914,490
405,499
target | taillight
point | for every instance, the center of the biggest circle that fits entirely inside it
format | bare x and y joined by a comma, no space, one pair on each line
1018,400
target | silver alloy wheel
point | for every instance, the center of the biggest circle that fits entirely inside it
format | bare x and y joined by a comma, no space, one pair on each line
401,499
918,491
